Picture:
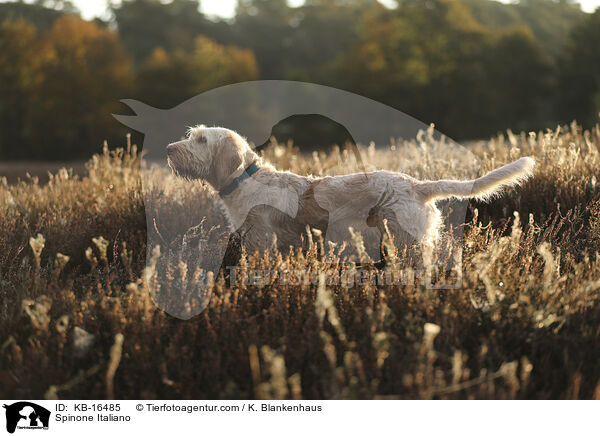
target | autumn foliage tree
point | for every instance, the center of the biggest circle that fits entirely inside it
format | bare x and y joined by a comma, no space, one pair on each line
65,84
434,61
167,79
20,74
472,67
85,73
59,87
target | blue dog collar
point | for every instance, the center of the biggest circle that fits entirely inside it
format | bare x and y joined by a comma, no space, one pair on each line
238,180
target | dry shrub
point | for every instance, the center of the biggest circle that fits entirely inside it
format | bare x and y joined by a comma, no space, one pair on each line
77,318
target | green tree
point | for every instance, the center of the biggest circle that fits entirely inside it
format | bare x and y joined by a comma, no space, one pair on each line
145,25
320,31
297,43
580,74
434,61
264,27
521,81
42,14
550,21
406,56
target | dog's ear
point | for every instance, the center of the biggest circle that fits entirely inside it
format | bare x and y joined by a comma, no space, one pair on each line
229,159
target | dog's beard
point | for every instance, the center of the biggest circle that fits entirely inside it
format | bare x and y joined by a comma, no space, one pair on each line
184,171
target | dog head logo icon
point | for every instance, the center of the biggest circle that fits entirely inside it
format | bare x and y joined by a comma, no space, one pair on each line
26,415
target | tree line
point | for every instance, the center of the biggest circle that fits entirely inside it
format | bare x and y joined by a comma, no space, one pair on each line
472,67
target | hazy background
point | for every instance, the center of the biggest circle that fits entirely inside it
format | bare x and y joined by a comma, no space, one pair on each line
472,67
226,8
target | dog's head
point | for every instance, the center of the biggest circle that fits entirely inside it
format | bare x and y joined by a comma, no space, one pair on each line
212,154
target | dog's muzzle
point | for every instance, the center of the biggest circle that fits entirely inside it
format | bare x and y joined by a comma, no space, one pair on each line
173,147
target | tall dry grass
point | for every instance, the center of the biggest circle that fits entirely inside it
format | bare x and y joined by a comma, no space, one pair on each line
77,317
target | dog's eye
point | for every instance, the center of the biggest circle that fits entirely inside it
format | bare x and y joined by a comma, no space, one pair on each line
202,139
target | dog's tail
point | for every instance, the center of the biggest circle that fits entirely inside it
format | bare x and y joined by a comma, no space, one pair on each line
482,188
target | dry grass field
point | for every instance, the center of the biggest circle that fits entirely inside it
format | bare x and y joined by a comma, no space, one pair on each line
77,317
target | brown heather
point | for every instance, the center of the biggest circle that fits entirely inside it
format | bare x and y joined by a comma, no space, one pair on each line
77,318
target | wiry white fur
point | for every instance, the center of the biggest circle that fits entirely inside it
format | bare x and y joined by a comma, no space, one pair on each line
483,188
278,206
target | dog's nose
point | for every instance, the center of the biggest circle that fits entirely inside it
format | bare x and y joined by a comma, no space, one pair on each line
171,148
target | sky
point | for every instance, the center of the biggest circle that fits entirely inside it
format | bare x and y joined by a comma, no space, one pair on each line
226,8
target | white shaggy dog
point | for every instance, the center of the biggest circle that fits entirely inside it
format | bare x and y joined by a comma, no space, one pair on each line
266,205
